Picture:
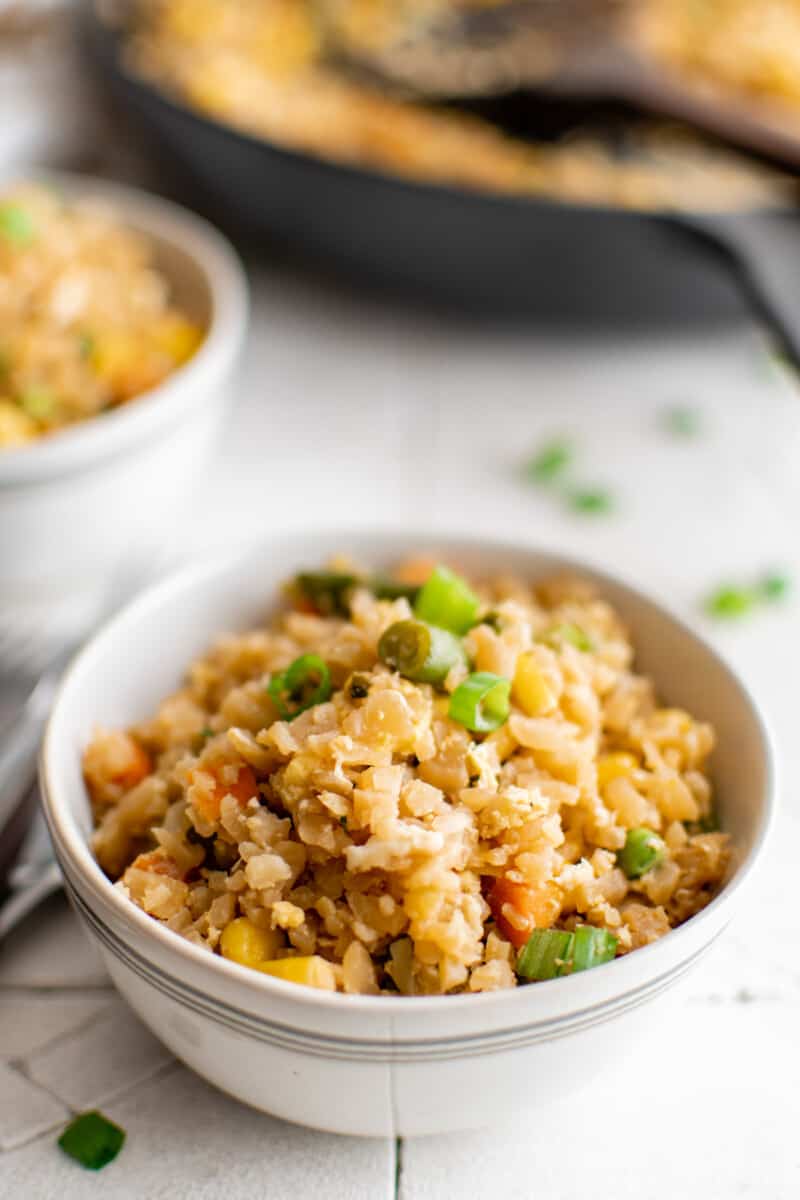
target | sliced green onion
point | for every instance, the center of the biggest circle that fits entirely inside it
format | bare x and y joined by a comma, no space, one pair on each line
707,824
85,345
302,685
591,501
775,586
326,590
420,652
38,402
682,421
92,1140
643,850
591,947
568,632
357,686
384,588
16,224
551,953
730,603
545,955
447,600
481,703
550,461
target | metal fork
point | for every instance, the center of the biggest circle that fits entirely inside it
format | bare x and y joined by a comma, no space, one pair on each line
36,875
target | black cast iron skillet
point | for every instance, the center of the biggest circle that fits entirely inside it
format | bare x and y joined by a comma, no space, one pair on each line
491,253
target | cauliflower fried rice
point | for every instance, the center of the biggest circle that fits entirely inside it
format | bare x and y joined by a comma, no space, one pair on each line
311,806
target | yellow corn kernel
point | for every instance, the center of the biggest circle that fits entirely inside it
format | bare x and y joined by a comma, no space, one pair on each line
530,689
246,943
676,716
311,970
177,337
16,427
614,766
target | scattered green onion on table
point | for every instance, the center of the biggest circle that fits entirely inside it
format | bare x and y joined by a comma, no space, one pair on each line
550,461
92,1140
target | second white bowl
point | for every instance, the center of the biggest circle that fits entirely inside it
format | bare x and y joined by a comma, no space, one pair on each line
82,511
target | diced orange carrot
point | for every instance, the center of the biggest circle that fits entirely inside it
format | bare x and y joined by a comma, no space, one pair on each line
519,909
208,802
302,604
113,763
157,863
414,571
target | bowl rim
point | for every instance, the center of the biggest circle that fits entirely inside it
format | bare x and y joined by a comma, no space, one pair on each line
70,841
85,442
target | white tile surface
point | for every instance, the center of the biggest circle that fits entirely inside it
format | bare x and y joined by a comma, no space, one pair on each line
701,1116
51,950
404,419
188,1142
30,1019
100,1062
25,1111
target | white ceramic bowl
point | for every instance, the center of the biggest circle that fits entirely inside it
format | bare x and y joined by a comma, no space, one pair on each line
82,512
365,1064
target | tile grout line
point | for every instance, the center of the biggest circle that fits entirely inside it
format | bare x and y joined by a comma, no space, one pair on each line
65,1035
47,1133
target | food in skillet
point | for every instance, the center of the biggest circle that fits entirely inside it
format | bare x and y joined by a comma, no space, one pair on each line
86,319
407,785
260,66
748,48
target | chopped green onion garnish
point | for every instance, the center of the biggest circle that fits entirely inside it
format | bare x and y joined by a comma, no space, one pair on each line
775,586
326,590
447,600
682,421
573,634
420,652
481,703
708,824
302,685
16,224
389,589
357,686
730,602
549,462
551,953
590,500
591,947
642,851
85,344
92,1140
37,402
545,955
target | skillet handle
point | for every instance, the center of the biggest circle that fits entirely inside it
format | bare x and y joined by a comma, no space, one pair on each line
765,249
